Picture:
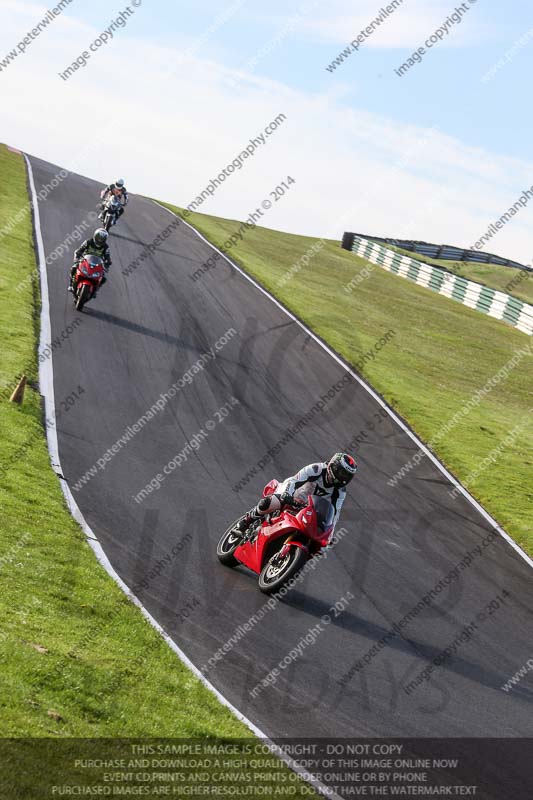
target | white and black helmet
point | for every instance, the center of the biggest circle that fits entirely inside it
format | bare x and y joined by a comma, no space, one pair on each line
120,183
100,237
341,469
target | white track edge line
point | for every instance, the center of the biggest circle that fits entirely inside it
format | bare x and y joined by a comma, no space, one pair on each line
46,386
368,388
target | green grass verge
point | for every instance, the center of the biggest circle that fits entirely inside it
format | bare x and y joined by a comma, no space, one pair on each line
440,355
506,279
77,658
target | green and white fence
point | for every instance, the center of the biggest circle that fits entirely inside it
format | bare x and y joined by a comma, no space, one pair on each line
474,295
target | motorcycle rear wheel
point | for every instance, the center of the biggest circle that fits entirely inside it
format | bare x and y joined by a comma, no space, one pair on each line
274,575
229,541
83,296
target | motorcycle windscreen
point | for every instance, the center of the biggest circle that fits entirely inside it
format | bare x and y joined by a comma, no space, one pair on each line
94,261
324,511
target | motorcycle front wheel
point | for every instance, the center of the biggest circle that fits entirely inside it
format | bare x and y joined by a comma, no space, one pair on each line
83,296
280,569
229,541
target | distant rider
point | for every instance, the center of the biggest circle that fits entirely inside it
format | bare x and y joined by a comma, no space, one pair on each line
325,479
118,190
96,246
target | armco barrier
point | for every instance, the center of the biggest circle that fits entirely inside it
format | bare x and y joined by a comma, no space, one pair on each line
474,295
445,252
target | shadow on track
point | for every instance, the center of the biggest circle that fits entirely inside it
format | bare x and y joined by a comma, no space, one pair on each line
167,338
370,630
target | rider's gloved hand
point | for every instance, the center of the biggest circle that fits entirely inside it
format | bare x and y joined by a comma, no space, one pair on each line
286,499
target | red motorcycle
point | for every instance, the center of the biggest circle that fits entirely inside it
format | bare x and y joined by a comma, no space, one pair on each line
277,547
89,275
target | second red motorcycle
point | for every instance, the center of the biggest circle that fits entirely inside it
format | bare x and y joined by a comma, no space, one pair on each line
89,275
279,546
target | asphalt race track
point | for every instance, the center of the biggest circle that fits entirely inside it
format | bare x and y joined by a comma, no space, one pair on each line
143,332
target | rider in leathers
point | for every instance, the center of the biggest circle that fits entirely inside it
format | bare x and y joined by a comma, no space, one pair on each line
119,191
326,479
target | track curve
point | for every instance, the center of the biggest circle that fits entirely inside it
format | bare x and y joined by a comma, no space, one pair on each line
143,333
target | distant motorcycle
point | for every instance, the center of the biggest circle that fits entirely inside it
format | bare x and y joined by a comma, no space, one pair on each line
278,547
110,212
88,278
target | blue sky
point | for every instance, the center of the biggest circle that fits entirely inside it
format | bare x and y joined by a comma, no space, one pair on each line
445,90
437,154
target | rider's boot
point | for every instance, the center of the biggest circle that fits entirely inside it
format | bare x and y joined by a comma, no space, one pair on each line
244,523
70,285
249,525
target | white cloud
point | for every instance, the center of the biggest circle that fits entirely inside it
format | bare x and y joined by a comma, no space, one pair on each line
354,170
340,21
